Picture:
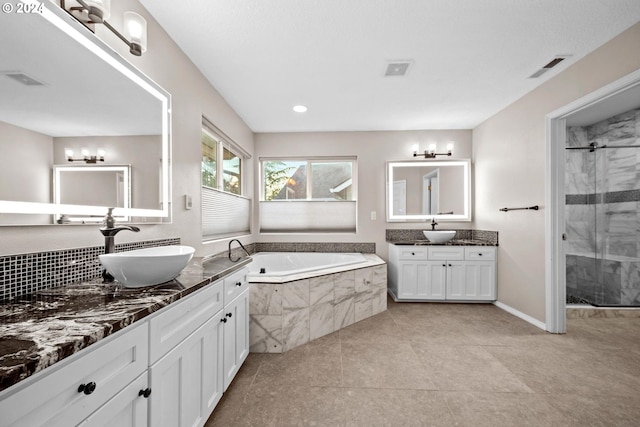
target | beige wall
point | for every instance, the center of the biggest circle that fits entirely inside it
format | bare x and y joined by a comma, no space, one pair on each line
372,149
509,159
192,97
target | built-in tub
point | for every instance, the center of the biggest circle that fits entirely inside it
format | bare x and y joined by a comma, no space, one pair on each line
302,296
287,266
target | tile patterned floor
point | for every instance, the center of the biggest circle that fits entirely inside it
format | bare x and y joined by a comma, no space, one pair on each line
445,365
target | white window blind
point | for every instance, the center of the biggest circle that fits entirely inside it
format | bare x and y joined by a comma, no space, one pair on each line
224,214
308,216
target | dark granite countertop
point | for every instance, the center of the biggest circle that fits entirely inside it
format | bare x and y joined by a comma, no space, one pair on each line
41,329
454,242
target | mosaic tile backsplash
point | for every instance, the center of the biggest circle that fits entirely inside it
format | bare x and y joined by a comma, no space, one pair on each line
24,274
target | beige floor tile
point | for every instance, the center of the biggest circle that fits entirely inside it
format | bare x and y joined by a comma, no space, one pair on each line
424,364
383,365
467,368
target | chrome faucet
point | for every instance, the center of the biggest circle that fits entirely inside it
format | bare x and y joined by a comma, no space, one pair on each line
109,232
241,245
433,223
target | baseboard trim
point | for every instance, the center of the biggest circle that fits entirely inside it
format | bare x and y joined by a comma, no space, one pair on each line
521,315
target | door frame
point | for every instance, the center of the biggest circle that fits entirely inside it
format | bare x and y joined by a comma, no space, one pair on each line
555,265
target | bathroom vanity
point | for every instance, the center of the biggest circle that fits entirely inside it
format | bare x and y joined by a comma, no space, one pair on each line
462,270
94,354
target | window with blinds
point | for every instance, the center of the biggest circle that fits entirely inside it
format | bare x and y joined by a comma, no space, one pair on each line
225,210
308,195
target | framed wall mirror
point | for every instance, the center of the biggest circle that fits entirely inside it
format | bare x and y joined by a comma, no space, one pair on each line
421,190
66,96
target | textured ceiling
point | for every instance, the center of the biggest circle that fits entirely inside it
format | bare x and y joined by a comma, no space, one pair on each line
471,58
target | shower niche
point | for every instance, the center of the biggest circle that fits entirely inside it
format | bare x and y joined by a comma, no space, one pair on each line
602,210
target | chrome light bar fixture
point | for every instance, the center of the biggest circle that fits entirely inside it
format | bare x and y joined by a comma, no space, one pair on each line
90,12
430,153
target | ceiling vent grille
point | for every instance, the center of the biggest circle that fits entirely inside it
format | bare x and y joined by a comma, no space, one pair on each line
23,78
398,68
558,59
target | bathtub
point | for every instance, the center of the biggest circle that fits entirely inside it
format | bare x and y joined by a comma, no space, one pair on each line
280,267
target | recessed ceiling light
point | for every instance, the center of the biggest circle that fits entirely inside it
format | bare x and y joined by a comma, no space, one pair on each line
300,108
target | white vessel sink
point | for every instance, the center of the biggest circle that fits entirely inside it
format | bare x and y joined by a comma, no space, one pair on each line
439,236
149,266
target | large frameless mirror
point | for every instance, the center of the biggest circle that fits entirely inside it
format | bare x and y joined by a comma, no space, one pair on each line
421,190
68,98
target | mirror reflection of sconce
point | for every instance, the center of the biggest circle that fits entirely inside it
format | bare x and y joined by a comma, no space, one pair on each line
90,12
430,152
86,156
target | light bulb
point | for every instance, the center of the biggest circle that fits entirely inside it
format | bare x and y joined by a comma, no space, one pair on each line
432,148
414,149
450,146
135,31
68,153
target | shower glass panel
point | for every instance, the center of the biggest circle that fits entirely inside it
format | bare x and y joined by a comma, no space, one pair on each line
602,212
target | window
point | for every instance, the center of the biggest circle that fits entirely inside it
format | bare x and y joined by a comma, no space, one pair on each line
308,195
225,211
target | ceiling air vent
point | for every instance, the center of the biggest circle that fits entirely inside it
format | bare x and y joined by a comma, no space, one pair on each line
398,68
23,78
558,59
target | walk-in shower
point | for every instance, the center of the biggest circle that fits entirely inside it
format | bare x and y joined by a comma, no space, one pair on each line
602,186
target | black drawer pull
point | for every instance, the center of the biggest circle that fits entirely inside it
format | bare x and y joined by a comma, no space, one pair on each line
228,314
413,253
238,283
145,393
444,265
449,265
223,320
87,388
480,254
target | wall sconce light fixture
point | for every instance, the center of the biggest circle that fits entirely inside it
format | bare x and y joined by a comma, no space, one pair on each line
86,156
90,12
430,153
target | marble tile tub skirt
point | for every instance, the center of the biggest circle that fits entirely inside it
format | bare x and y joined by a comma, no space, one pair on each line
286,315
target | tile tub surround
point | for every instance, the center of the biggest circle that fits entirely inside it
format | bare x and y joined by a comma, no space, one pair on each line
462,237
286,315
24,274
40,330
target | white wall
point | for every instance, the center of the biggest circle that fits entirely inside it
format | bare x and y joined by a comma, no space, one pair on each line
192,97
509,157
372,149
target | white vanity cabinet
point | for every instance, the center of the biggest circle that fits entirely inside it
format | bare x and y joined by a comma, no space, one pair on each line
442,273
169,369
68,392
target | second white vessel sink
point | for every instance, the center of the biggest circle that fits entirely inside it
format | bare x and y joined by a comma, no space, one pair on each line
149,266
439,236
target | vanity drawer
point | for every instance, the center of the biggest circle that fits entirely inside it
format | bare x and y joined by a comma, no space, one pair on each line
442,253
177,321
234,284
480,253
52,397
412,252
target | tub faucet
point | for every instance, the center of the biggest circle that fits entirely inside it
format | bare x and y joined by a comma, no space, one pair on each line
433,223
109,232
241,245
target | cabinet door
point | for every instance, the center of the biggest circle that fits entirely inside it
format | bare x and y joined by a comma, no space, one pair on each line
236,336
126,409
471,281
423,280
187,383
481,280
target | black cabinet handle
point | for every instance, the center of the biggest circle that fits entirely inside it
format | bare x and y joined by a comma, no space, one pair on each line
413,253
449,265
228,314
145,393
480,254
87,388
238,283
444,265
223,320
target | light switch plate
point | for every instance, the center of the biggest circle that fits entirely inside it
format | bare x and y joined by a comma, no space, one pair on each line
188,202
